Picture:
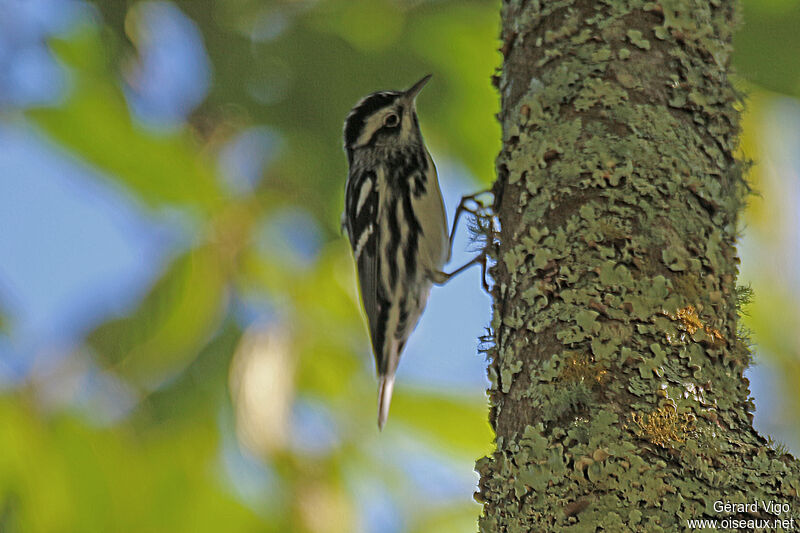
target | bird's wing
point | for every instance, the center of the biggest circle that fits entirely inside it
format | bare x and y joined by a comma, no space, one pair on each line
362,203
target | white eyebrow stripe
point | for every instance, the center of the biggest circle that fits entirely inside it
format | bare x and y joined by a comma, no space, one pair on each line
372,124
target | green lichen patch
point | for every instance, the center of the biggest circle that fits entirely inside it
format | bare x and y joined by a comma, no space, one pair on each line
599,92
636,38
617,391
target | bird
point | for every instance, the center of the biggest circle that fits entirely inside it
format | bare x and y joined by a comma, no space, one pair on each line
395,219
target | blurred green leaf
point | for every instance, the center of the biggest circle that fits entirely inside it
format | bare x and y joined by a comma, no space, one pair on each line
175,319
10,516
365,24
465,125
766,45
95,123
454,422
197,391
456,518
67,476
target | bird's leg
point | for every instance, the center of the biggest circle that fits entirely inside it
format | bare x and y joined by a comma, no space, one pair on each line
440,278
463,206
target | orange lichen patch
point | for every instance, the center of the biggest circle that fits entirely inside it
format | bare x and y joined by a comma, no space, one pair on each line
583,368
690,320
663,427
688,315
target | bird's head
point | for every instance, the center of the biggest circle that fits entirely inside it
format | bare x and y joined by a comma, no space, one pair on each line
384,118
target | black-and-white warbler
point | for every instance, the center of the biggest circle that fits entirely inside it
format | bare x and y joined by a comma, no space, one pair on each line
396,222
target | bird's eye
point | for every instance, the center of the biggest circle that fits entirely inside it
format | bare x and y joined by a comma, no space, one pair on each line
391,120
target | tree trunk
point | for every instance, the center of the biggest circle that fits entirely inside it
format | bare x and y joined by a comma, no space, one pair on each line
617,390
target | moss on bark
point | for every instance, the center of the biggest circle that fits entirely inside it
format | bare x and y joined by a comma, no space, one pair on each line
618,395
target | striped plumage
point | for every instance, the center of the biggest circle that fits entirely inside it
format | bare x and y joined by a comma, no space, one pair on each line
395,219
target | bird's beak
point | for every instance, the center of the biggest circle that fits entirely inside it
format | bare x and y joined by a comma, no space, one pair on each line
412,93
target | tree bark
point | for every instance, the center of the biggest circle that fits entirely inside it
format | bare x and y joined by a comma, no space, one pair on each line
617,394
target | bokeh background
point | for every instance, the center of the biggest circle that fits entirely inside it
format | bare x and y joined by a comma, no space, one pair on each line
181,344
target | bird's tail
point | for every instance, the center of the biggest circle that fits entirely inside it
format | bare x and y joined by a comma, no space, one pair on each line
385,386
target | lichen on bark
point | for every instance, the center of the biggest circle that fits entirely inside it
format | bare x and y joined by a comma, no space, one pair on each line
618,395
